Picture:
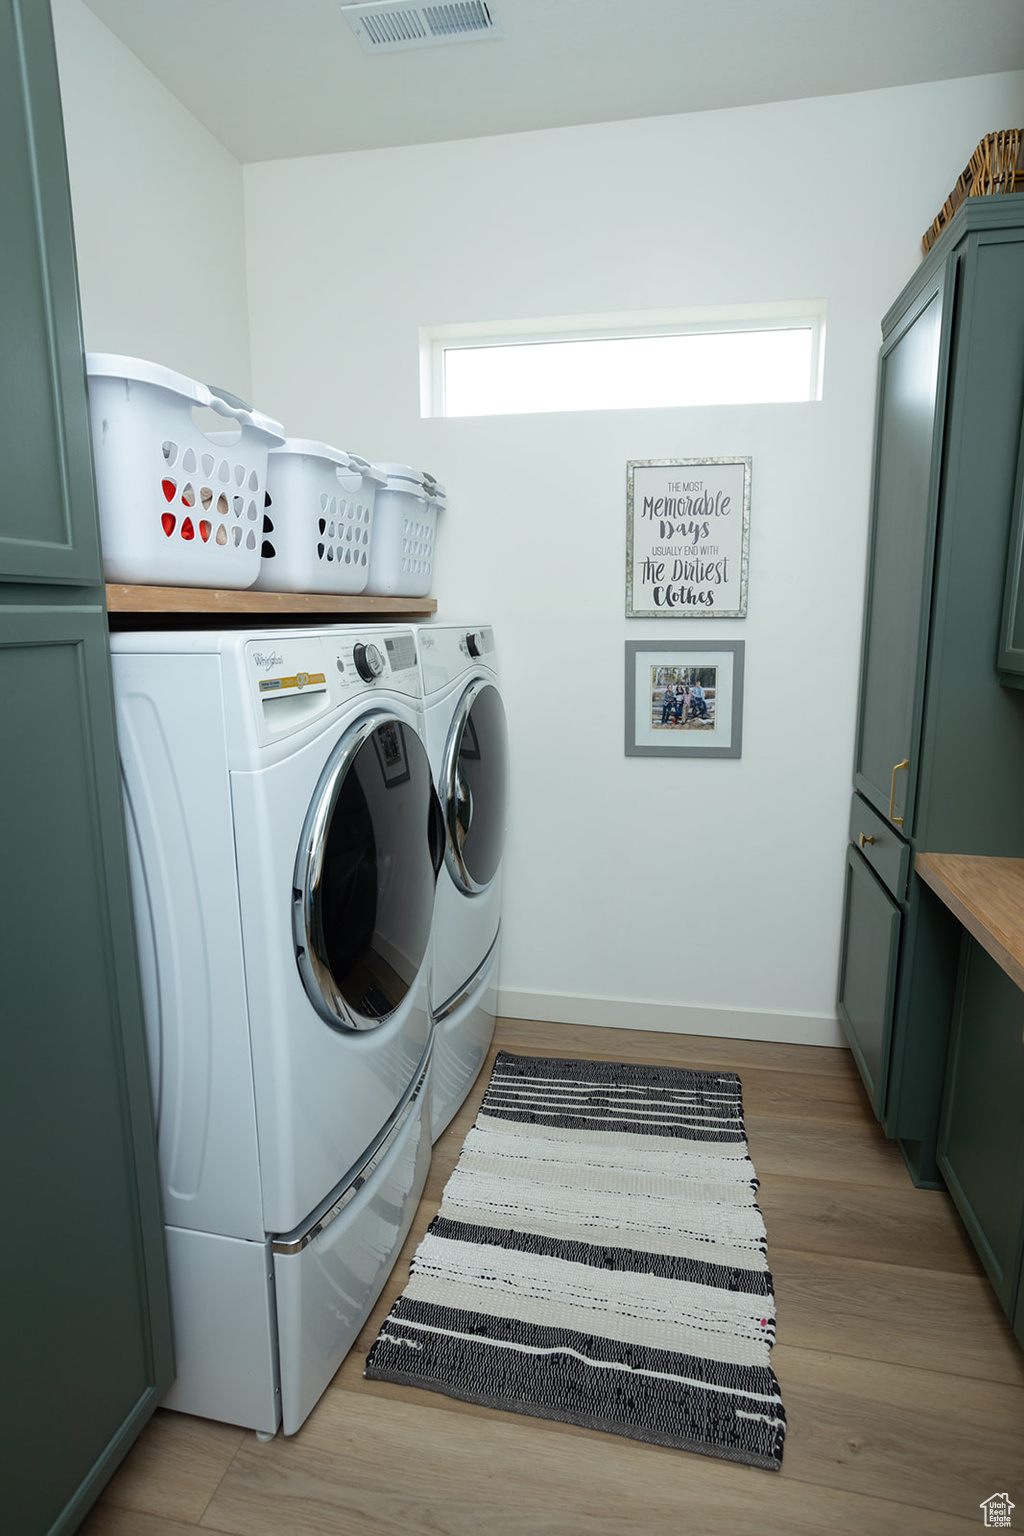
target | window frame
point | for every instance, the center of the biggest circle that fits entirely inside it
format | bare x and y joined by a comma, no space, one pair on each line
437,340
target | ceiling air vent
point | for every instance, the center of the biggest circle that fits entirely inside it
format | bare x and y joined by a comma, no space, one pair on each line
385,26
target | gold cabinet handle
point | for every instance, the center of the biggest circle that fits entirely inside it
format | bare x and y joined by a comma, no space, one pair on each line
892,796
864,839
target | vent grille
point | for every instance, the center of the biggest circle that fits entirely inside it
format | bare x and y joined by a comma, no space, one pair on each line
385,26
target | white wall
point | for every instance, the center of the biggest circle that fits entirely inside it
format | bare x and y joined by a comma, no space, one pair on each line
159,224
644,892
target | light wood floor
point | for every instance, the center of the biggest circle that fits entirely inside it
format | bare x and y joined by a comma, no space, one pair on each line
903,1385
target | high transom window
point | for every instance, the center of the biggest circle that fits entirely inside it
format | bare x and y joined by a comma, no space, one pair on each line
756,358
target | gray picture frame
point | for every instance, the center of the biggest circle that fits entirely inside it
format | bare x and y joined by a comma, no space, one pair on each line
647,735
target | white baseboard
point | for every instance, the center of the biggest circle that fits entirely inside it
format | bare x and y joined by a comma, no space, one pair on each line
672,1018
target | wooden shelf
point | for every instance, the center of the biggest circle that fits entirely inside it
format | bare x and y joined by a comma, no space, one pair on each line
132,606
987,897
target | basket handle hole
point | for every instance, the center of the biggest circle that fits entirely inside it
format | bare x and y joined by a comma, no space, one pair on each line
218,429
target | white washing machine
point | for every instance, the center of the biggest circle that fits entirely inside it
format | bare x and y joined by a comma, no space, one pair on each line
468,746
285,840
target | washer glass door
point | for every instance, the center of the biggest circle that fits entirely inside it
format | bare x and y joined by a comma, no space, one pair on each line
474,774
365,874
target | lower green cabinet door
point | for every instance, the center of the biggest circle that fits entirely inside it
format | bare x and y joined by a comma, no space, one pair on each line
83,1285
867,974
981,1135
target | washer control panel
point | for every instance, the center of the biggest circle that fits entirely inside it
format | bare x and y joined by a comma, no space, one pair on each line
295,677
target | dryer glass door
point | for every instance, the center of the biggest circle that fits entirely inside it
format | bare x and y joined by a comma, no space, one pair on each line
475,778
365,873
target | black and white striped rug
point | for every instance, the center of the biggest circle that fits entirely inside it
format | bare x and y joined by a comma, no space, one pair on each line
599,1257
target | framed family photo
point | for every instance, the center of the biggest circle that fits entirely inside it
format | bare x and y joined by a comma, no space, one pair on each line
684,699
687,538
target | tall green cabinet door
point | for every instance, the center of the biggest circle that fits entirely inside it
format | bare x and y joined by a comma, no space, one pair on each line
48,526
908,442
87,1349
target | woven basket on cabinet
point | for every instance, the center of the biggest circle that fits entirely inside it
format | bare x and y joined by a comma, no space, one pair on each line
997,165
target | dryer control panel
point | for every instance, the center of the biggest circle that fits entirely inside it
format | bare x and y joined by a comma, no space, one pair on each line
448,652
295,678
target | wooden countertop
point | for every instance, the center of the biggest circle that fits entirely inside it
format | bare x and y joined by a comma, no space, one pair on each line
987,896
185,602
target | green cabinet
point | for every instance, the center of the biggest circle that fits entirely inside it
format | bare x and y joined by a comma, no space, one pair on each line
83,1288
940,742
981,1140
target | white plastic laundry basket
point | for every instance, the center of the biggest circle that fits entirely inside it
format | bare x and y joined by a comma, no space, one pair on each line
179,506
404,531
318,523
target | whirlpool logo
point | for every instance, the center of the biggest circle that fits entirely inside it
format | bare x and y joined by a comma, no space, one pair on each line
275,659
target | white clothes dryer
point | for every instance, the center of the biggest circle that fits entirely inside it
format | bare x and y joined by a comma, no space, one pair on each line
467,742
285,841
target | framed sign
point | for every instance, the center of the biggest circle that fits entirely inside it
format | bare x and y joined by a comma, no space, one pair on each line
684,699
687,533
